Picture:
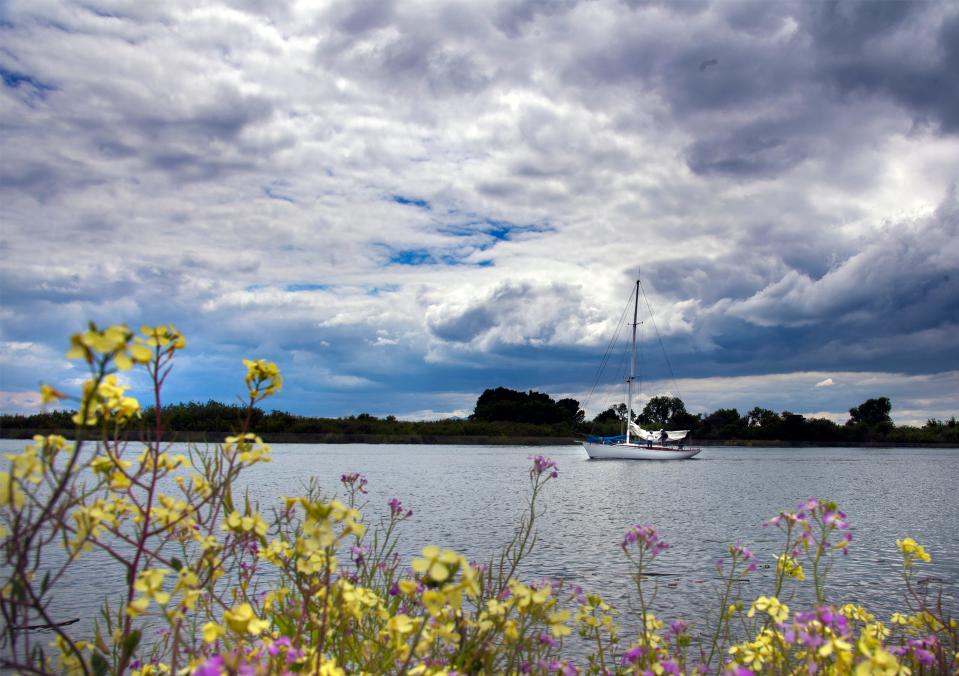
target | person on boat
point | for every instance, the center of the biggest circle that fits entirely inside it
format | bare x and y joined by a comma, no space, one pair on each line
663,436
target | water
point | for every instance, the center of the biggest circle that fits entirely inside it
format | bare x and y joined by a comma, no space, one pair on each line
468,498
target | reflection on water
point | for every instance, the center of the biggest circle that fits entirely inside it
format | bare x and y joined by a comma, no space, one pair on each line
468,498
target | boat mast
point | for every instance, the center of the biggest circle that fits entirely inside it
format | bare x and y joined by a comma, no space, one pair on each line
632,365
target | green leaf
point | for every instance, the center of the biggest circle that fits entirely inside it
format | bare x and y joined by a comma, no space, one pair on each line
228,499
129,644
176,564
99,664
285,625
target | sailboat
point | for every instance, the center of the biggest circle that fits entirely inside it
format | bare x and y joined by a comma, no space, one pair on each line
638,443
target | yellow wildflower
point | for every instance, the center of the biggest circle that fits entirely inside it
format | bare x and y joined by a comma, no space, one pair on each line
878,662
248,448
436,564
525,596
557,623
790,566
407,586
164,336
119,481
777,610
912,551
212,631
250,523
262,378
10,491
435,601
138,606
150,584
71,663
853,611
243,620
49,394
329,668
27,465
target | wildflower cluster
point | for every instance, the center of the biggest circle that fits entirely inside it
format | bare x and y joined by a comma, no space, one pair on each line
645,539
543,465
912,552
311,588
263,379
816,530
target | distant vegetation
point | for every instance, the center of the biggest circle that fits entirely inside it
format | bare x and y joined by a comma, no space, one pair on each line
502,413
868,422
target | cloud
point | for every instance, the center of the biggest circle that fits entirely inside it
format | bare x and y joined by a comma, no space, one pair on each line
19,402
406,203
828,382
515,313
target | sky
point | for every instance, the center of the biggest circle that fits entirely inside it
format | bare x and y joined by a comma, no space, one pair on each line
405,203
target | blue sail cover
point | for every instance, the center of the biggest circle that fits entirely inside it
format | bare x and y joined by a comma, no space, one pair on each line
606,440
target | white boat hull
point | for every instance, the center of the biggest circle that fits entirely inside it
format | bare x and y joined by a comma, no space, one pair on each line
599,451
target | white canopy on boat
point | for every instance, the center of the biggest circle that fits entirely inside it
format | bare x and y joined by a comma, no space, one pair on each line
646,435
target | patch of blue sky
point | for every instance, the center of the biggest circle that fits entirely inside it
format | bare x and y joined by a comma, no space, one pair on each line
498,230
296,288
386,288
27,86
412,257
417,257
412,201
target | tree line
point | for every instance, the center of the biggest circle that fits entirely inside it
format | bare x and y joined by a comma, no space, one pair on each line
868,422
505,413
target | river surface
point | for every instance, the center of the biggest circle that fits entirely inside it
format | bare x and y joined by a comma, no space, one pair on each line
469,498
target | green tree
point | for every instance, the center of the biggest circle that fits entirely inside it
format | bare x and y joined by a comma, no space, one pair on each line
762,417
667,412
613,413
724,423
870,420
792,427
504,404
762,423
872,413
574,413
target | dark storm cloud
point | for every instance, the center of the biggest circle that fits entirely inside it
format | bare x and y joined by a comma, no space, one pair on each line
923,81
761,149
900,277
44,180
513,17
894,300
222,117
464,326
773,69
361,16
683,7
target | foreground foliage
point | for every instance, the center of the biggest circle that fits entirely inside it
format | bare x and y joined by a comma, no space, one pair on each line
311,588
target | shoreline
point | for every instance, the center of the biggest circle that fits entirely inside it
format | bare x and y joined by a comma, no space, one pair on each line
470,440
